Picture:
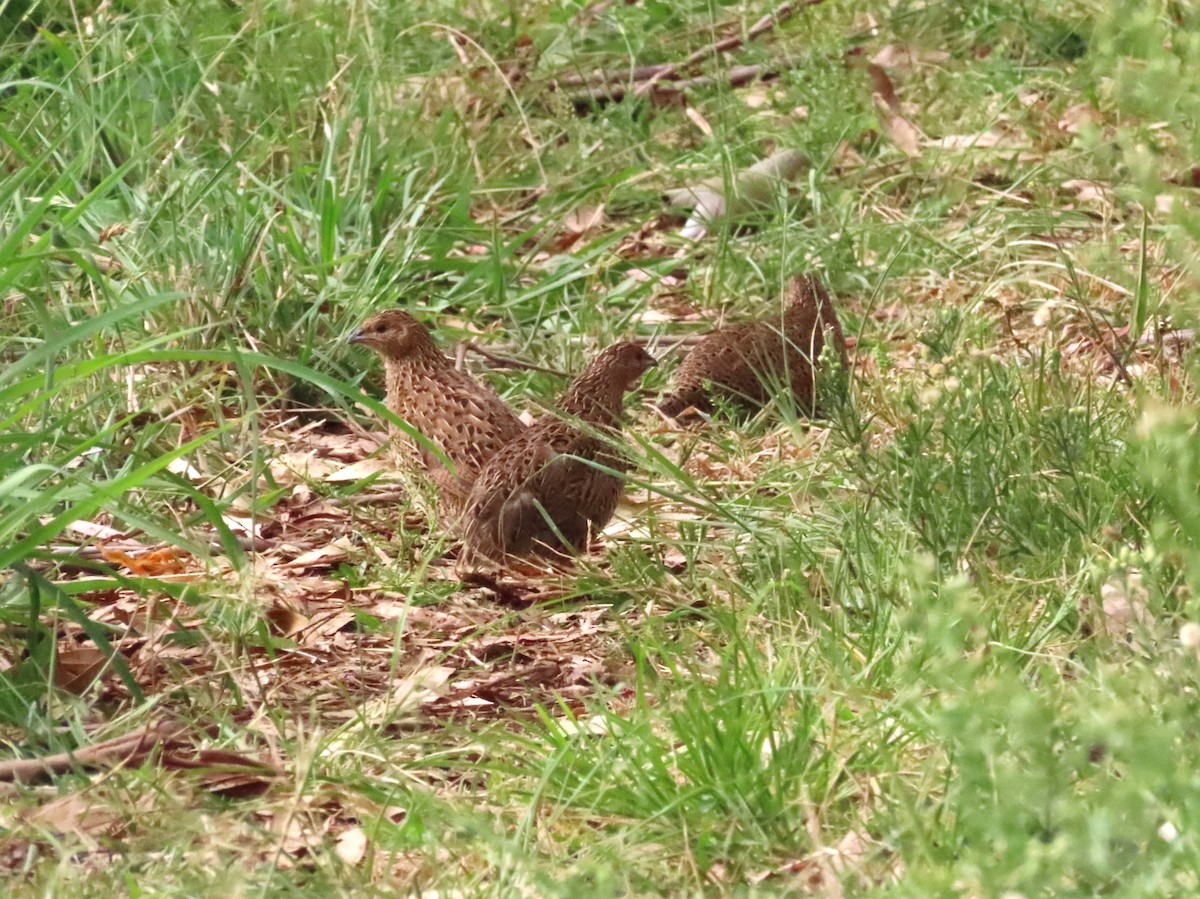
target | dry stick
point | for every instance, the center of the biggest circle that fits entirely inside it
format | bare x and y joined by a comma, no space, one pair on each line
129,749
738,76
782,13
664,70
363,499
507,361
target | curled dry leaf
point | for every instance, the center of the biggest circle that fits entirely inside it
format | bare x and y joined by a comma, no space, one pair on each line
981,141
109,232
903,133
74,814
153,563
1075,118
77,665
845,158
293,467
284,620
408,694
579,223
323,556
1090,192
883,88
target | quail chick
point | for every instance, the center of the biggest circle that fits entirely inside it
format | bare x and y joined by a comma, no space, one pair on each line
465,419
540,496
744,362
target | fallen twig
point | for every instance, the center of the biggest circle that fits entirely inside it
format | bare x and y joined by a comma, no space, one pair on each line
614,92
130,749
782,13
665,70
363,499
502,361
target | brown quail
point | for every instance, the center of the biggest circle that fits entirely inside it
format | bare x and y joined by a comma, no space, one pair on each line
466,420
743,363
540,496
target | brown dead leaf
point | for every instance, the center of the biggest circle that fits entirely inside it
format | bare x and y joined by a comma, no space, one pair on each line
1075,118
903,133
154,563
108,233
74,814
1089,192
237,784
293,467
580,222
815,873
845,158
77,665
320,630
883,88
984,140
323,557
674,561
96,531
284,620
905,57
408,694
107,265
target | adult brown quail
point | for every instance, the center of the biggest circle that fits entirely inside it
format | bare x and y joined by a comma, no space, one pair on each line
747,363
465,419
548,490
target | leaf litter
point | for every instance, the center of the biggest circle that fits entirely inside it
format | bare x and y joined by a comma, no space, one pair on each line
360,654
403,655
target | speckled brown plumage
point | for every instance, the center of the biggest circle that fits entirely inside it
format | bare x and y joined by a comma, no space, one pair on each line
544,477
466,420
746,362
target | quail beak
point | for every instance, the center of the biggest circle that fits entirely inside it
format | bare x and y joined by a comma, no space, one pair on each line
357,337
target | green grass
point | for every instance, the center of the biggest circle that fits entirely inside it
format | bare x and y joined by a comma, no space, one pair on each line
926,647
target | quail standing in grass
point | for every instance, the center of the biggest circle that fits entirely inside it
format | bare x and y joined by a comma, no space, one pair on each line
748,363
544,494
466,420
